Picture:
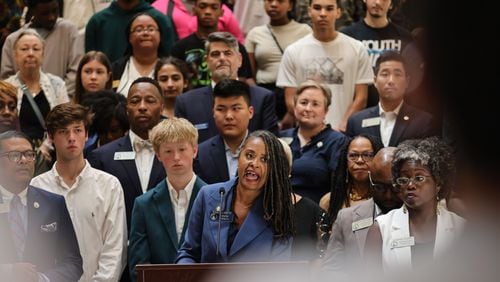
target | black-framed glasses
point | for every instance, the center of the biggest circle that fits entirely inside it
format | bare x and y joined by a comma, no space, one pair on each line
141,29
382,187
365,156
15,156
417,180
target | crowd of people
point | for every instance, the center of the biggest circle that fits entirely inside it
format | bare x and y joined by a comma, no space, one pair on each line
174,132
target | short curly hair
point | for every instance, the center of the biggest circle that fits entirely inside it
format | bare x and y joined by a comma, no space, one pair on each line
434,154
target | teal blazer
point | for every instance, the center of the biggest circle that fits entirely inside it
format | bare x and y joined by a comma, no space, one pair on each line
153,238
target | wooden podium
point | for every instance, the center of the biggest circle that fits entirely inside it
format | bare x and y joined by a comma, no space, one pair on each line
225,272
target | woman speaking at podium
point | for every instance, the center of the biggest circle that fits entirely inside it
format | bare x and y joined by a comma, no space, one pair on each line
248,218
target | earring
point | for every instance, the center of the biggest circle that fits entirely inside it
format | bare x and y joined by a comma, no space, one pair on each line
346,176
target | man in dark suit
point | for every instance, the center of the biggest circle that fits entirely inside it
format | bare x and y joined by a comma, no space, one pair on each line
223,61
345,248
392,120
160,216
37,239
131,158
217,159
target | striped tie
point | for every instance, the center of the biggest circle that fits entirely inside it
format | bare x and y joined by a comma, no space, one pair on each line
17,224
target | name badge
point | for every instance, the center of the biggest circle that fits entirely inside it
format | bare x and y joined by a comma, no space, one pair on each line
122,156
201,126
403,242
368,122
362,224
4,208
224,216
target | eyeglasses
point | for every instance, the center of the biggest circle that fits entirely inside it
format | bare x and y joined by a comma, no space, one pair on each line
15,156
140,29
382,187
365,156
417,180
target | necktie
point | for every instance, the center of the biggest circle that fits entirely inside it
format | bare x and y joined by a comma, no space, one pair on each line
139,145
17,224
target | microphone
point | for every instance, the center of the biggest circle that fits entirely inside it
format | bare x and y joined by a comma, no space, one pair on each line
219,212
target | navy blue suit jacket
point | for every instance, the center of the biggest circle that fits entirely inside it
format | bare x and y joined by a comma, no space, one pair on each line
411,123
253,242
153,236
196,106
51,243
125,170
210,163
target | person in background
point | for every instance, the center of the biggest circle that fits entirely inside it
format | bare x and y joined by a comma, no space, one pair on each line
160,216
37,239
8,107
93,74
254,211
108,110
94,198
61,49
420,233
174,78
344,255
315,145
266,43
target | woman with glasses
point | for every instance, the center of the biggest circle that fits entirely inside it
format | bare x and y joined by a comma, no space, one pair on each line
315,145
422,230
350,183
142,52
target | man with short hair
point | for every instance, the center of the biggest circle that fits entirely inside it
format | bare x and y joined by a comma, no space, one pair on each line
329,57
131,158
223,61
160,216
217,159
346,244
192,48
37,239
392,120
62,52
94,198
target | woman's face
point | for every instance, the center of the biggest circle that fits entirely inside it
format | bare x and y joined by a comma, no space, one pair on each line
115,131
359,156
310,108
253,165
171,80
28,53
277,9
144,34
421,188
94,76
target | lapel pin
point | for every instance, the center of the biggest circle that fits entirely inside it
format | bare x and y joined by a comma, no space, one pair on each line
319,144
406,118
36,205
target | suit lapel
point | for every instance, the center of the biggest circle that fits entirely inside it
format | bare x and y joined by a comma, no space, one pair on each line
35,216
196,188
157,173
129,165
220,164
209,116
253,225
163,204
400,228
402,121
374,130
364,210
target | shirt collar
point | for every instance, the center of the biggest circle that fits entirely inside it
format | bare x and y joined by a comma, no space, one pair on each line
226,147
83,174
6,195
189,188
396,110
134,137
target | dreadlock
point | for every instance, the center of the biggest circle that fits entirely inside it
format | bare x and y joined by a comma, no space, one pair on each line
340,189
278,207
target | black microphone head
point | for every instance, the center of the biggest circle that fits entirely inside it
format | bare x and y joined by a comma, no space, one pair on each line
222,191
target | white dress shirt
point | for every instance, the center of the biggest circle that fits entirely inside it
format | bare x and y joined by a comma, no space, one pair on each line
96,205
180,203
143,161
387,122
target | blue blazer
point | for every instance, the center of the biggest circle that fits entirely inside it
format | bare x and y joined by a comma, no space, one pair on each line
253,242
210,163
196,106
51,243
411,123
153,236
125,170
